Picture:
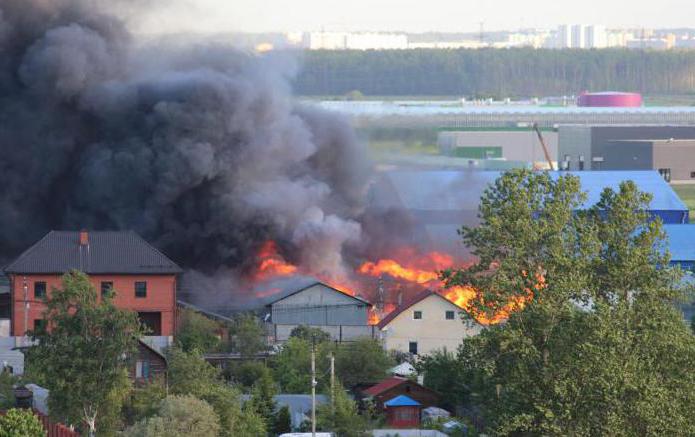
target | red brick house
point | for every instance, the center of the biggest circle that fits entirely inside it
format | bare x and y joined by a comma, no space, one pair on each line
144,279
395,386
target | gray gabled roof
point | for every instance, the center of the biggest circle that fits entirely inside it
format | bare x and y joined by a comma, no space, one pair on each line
108,252
292,291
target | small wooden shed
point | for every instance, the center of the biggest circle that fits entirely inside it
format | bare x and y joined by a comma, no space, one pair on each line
403,412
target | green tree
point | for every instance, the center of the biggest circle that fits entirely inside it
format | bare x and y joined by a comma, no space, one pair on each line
190,374
592,344
443,373
292,366
143,402
81,357
283,421
341,416
248,336
362,361
197,332
310,334
20,423
179,416
246,374
263,399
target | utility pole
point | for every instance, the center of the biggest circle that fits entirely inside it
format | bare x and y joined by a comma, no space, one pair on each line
332,383
313,389
26,308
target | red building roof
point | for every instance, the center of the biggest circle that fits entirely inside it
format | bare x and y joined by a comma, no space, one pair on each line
384,385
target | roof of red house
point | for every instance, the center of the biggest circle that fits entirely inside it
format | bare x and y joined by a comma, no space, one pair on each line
115,252
407,304
384,385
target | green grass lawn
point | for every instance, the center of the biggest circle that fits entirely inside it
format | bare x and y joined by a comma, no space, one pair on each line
687,195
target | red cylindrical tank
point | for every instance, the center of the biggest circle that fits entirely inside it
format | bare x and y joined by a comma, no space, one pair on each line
610,99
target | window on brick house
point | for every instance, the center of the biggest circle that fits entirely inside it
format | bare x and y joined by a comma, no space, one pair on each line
106,287
39,290
141,289
39,325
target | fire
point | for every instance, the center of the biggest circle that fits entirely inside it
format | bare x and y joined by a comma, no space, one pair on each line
374,318
271,264
425,272
393,268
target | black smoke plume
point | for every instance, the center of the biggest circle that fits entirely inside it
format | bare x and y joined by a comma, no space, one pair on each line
201,149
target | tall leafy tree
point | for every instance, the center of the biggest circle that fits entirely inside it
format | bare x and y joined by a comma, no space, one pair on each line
179,416
263,398
593,344
82,356
248,336
195,331
341,416
362,361
190,374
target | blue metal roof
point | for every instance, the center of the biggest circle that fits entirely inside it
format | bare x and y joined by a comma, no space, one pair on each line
681,242
461,190
402,401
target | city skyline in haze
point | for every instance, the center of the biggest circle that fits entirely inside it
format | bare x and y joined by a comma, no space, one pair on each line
213,16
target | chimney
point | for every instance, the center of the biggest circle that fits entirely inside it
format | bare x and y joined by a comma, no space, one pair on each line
84,238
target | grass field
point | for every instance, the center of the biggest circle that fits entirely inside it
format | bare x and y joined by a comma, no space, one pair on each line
687,195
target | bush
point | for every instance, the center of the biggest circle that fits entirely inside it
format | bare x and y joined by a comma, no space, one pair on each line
179,416
20,423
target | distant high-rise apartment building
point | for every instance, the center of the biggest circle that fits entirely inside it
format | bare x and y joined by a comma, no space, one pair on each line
596,37
564,37
578,36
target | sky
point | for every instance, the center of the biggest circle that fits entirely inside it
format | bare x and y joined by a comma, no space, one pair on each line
408,15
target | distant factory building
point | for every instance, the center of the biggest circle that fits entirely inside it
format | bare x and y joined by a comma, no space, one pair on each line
318,305
439,202
667,149
512,144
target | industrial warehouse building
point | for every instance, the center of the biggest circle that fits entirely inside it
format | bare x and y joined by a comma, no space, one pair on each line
439,202
667,149
511,144
318,305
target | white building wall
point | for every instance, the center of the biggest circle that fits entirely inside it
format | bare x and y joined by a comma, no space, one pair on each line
564,37
578,36
376,41
596,37
432,332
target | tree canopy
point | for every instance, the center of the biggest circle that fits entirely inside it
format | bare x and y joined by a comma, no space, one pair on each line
523,72
179,416
82,357
594,345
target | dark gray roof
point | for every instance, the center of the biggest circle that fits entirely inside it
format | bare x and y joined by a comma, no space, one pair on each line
123,252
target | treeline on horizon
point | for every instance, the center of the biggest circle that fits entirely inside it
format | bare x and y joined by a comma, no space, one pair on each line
495,73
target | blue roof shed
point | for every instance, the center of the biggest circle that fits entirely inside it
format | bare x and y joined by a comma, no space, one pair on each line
402,401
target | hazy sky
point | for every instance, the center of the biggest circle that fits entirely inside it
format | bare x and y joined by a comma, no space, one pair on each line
410,15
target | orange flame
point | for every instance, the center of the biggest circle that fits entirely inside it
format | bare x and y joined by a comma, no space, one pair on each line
461,296
393,268
271,264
